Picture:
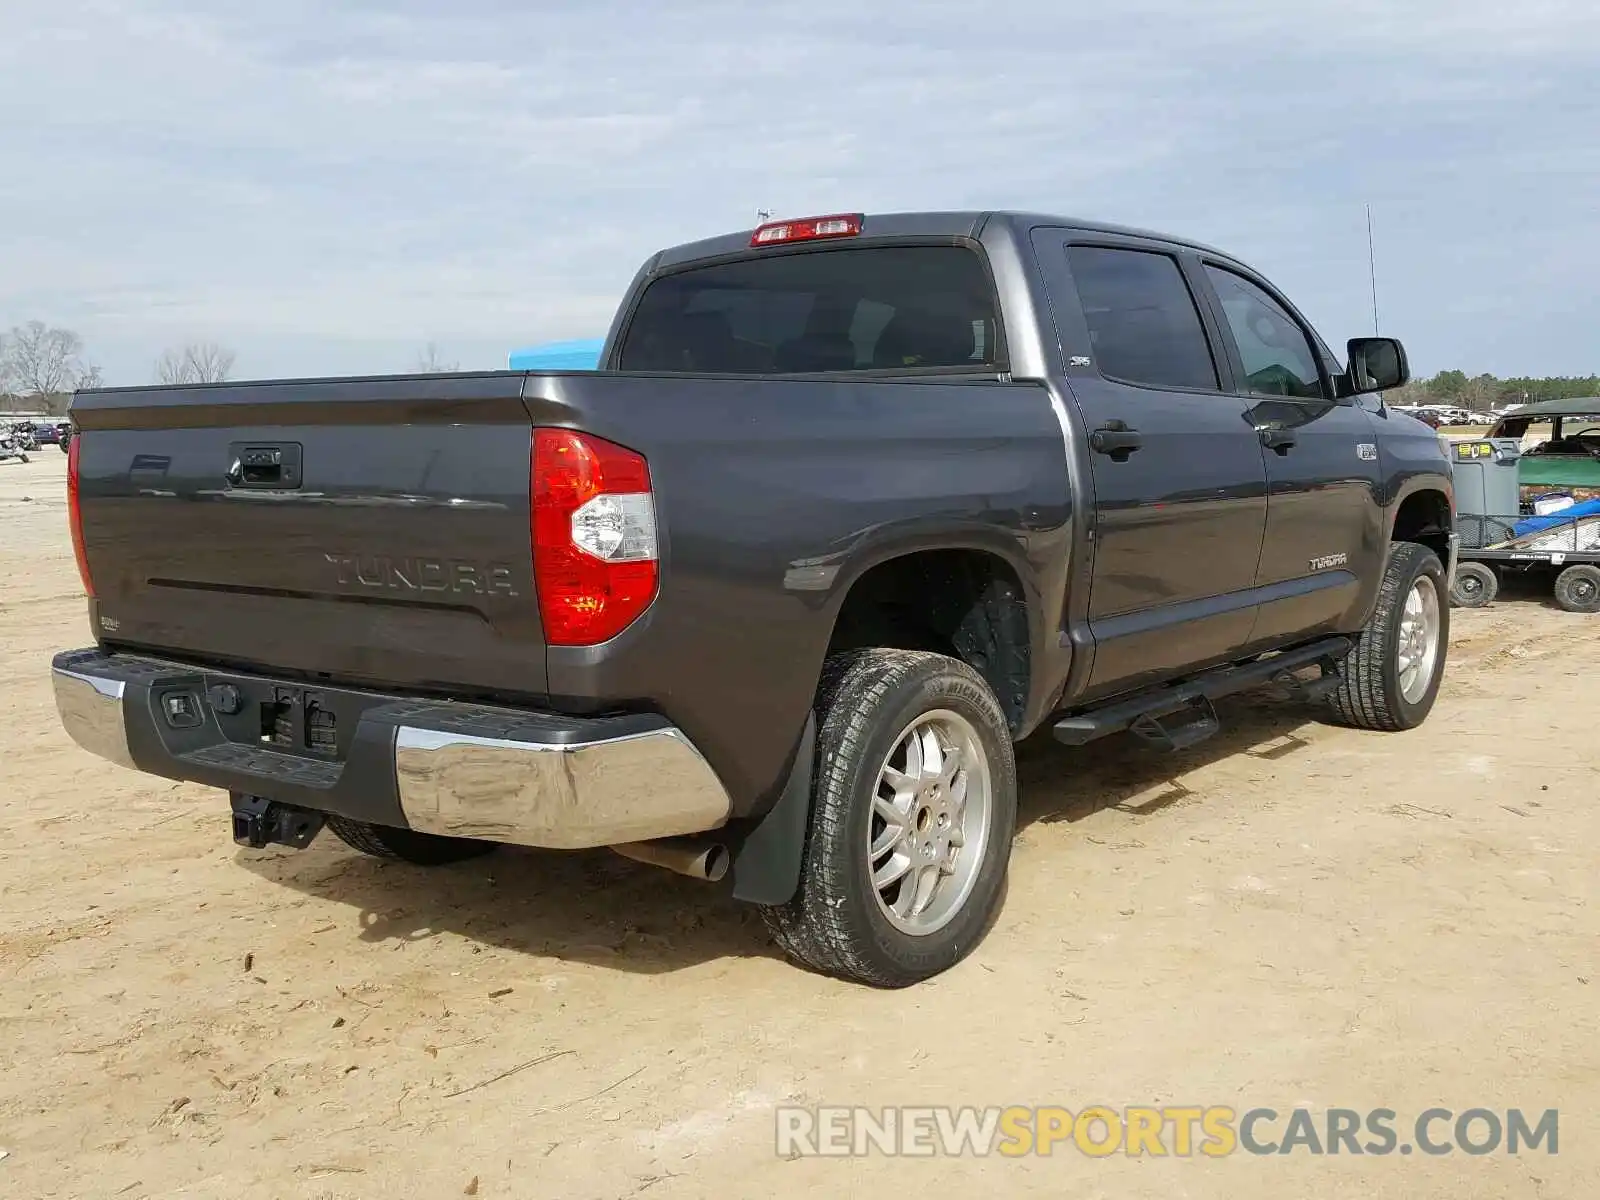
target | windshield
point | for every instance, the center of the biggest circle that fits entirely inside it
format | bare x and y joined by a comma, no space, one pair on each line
857,309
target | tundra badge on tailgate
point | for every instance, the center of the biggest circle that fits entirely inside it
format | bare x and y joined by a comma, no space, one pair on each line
379,572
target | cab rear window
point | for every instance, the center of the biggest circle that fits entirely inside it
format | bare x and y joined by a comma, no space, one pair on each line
882,308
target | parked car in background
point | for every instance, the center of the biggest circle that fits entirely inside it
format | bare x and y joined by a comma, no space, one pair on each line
1427,416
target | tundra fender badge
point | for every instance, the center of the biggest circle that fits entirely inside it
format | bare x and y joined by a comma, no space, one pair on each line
1329,561
1367,452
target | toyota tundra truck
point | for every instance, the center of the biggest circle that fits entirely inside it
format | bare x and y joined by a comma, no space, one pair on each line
853,504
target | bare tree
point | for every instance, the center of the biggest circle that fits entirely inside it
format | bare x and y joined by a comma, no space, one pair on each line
197,362
430,363
39,360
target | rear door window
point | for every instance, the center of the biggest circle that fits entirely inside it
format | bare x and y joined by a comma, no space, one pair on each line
1144,327
883,308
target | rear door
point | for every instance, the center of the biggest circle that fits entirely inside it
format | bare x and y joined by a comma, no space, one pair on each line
1324,543
1179,485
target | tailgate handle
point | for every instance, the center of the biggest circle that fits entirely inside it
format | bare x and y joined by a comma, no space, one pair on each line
264,465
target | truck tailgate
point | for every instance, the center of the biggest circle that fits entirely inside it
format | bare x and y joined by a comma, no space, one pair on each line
373,530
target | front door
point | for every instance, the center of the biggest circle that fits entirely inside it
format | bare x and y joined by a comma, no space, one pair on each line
1179,484
1325,538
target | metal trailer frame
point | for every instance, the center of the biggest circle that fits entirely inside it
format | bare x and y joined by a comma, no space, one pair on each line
1559,546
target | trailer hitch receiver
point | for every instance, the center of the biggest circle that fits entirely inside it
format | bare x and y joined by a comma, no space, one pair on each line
259,822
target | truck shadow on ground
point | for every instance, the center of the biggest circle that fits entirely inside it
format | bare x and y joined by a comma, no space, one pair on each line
597,908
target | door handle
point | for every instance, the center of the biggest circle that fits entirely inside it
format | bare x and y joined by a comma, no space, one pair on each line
1280,440
1115,439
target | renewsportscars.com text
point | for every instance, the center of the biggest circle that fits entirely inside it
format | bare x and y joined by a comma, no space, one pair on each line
1170,1130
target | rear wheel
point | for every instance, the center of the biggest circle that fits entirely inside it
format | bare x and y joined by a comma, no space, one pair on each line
1475,586
913,809
1578,588
1391,679
406,845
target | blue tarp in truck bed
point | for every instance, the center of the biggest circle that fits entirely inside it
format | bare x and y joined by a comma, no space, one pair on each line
582,354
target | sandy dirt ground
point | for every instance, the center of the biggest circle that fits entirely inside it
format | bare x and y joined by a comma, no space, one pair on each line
1291,914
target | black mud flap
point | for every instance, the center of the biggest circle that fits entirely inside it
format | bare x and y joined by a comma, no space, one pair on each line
766,861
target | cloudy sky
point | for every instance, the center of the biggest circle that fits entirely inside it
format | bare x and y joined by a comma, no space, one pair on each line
326,185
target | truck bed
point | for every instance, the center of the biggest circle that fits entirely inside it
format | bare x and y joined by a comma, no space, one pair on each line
402,561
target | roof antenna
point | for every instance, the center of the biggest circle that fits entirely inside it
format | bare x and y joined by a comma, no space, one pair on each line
1372,267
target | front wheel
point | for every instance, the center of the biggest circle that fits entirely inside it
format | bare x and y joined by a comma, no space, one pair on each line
1391,679
913,808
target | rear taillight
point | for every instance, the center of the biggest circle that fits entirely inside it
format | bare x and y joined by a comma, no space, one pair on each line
75,515
594,536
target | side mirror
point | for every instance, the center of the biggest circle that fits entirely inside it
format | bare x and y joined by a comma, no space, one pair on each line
1377,364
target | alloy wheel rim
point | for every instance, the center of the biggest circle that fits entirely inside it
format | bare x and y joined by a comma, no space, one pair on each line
1418,641
932,808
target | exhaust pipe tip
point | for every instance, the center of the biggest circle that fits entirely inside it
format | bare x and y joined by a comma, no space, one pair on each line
716,862
698,858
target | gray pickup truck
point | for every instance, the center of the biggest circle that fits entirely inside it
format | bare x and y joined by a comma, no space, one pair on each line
854,504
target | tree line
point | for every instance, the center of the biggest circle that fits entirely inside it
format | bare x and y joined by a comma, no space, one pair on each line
1487,391
42,365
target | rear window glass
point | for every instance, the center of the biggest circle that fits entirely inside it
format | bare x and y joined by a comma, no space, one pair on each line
869,309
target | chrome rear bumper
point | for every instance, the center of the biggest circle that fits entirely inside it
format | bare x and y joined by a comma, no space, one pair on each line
620,789
461,770
91,711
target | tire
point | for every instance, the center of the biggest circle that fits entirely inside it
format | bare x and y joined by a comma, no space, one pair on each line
1475,586
23,457
1578,588
406,845
869,704
1371,694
